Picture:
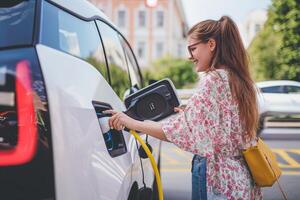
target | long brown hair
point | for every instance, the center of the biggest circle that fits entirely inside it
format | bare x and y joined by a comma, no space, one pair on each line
230,52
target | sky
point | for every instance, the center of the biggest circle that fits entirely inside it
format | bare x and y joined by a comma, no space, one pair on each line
198,10
238,10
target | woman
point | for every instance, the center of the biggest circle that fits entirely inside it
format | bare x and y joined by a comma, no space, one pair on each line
220,119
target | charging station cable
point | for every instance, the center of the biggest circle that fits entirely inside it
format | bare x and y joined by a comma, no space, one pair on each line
153,163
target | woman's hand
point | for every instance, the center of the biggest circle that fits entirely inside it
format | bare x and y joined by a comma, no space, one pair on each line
180,108
120,120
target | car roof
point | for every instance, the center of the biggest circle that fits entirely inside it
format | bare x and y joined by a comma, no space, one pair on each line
82,9
277,83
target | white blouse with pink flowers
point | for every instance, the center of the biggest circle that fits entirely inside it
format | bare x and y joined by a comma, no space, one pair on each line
210,126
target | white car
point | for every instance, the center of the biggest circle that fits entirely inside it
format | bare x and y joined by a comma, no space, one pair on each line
281,96
280,103
279,86
61,64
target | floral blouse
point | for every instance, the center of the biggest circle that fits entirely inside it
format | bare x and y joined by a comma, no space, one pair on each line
210,127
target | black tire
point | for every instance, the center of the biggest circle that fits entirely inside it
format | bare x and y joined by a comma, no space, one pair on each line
133,195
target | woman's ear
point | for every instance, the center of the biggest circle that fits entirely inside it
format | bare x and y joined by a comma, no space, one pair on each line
212,44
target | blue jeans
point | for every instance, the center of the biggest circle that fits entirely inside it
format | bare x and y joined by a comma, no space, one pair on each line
199,191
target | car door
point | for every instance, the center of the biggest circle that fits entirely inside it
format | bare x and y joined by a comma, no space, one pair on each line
135,76
77,80
276,99
124,73
293,93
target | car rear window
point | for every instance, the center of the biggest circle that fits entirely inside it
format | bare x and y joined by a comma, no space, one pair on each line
16,23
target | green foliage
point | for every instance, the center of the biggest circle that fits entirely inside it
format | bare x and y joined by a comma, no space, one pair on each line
120,80
100,66
180,71
274,52
287,19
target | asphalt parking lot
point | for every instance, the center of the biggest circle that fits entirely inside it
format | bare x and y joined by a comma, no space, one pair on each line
176,176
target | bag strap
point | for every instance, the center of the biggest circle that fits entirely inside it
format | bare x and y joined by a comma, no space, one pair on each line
277,180
251,145
281,190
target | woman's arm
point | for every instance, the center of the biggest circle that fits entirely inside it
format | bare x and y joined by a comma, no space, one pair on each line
120,120
151,128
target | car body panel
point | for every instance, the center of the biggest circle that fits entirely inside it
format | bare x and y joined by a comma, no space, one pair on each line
80,155
282,103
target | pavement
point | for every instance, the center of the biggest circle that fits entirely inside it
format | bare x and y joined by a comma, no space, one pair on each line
176,165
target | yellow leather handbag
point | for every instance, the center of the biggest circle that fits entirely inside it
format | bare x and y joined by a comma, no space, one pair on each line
263,165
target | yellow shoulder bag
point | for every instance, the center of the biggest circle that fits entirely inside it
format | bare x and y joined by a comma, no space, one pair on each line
263,165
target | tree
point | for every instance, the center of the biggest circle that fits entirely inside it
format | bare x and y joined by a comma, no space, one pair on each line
274,51
120,83
180,71
287,20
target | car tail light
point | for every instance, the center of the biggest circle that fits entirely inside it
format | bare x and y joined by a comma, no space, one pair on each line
27,136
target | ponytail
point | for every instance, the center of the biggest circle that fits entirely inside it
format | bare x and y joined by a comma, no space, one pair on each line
232,51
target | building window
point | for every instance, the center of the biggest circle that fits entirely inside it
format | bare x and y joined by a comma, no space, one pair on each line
142,18
160,18
141,47
159,49
256,28
121,18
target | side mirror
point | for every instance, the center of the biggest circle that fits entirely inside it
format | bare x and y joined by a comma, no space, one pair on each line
154,102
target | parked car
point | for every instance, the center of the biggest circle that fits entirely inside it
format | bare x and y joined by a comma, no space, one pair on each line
281,96
279,86
281,107
61,64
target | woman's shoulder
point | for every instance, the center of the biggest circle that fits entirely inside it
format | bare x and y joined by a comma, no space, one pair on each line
218,75
212,80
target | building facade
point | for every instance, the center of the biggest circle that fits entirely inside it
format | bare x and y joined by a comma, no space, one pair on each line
154,28
253,24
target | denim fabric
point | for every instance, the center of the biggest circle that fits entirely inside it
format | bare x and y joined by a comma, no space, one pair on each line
199,191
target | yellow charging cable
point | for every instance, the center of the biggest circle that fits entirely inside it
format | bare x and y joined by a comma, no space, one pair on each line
153,163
